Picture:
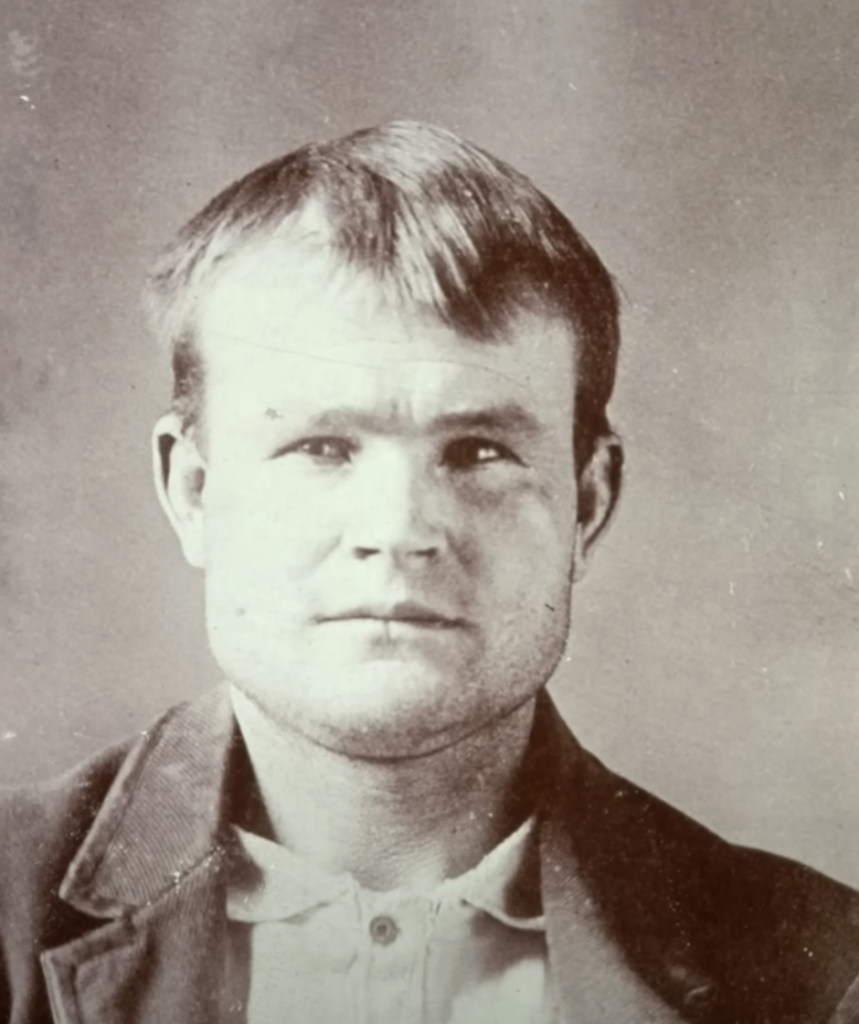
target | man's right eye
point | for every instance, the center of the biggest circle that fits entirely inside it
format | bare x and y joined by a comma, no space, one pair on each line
325,449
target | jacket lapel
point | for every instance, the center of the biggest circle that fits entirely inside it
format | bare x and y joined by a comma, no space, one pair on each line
593,982
612,958
151,867
157,964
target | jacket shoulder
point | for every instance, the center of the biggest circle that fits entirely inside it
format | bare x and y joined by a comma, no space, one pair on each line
779,938
102,824
43,824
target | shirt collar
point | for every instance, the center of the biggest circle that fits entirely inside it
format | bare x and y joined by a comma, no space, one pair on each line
271,883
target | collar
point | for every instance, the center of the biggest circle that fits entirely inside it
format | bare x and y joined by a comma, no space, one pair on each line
271,883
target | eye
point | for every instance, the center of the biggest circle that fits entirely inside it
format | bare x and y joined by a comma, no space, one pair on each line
470,452
324,449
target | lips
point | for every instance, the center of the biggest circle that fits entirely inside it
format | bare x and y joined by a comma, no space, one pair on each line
412,613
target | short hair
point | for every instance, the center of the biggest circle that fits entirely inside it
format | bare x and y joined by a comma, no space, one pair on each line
445,225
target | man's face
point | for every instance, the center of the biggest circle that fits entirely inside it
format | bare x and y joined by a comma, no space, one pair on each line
387,519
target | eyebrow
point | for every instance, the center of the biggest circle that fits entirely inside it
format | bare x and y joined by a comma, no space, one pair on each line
509,418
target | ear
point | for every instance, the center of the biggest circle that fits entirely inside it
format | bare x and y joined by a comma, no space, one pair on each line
180,476
598,492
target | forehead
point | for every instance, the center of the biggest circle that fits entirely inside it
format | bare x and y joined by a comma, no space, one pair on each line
281,323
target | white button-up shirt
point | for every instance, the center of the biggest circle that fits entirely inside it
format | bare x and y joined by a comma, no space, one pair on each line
312,947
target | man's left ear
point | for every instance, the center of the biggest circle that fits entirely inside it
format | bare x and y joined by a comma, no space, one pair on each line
598,492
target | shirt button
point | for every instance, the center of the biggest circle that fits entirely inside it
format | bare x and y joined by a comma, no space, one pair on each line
383,930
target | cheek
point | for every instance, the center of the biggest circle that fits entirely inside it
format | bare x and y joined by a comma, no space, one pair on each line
258,527
526,542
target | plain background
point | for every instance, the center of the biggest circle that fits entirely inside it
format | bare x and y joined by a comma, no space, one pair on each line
709,151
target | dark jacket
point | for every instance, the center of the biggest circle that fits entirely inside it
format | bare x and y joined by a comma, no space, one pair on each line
112,902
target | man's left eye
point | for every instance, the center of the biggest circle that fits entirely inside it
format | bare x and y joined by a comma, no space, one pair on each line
468,452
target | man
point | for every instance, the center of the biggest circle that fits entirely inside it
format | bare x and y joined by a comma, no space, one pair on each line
389,453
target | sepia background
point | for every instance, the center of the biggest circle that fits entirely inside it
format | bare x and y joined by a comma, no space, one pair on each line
709,151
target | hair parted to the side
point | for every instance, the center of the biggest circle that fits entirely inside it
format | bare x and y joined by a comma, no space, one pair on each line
445,226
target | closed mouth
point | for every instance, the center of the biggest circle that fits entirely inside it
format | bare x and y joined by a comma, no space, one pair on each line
409,613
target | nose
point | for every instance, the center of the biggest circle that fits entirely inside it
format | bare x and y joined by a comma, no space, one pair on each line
397,511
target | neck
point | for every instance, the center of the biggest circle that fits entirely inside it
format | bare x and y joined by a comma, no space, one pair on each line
411,822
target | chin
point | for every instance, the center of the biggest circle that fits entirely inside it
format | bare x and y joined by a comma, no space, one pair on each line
375,710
